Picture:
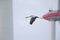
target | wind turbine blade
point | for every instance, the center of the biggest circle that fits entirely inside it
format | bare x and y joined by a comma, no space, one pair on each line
50,10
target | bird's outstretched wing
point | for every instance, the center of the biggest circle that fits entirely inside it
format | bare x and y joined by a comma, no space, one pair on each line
28,16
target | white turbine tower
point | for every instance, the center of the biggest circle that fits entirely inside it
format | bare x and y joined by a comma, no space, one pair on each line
52,30
6,28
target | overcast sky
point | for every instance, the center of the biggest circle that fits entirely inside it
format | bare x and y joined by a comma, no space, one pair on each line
40,28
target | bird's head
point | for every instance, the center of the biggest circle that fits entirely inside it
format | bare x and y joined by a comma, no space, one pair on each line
36,17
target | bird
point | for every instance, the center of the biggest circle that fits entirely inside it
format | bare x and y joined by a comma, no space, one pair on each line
33,18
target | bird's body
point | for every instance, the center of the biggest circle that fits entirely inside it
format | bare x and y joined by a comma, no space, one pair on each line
32,20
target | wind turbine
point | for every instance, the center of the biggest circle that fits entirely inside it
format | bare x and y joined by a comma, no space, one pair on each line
52,16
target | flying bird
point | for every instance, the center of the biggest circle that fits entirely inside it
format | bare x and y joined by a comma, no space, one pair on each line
33,18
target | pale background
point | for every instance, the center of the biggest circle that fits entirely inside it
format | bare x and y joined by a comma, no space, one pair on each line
40,28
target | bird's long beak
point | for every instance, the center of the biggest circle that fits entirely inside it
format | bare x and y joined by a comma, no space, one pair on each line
40,17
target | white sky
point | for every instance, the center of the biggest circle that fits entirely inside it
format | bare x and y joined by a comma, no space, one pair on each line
40,28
